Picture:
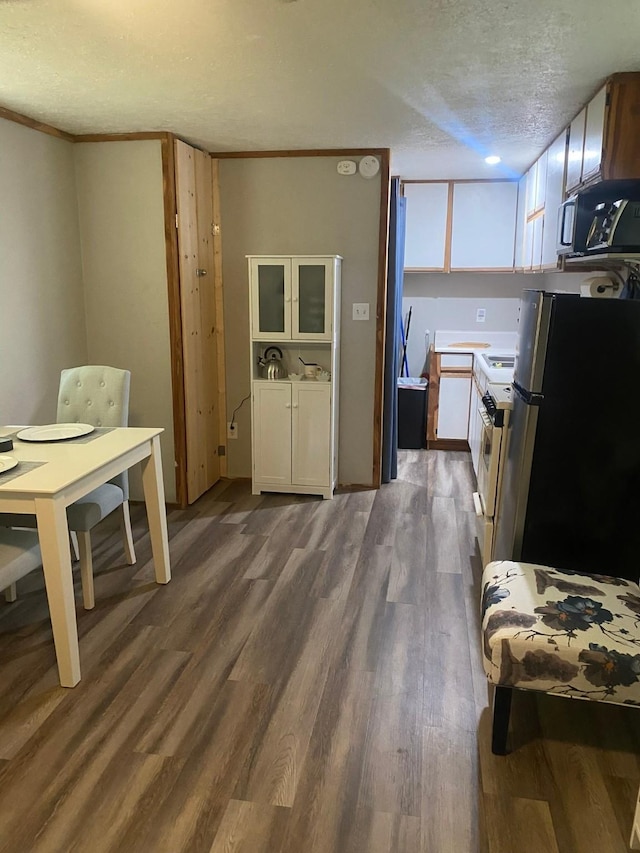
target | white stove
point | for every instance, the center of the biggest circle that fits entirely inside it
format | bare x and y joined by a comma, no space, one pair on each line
502,395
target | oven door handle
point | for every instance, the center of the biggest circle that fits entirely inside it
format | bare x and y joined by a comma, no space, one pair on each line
477,504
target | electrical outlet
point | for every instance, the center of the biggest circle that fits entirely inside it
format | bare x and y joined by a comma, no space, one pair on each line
360,310
232,430
481,315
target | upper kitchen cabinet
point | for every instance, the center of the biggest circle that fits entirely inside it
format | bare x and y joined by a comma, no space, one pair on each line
554,188
603,136
292,298
576,149
426,226
460,226
484,225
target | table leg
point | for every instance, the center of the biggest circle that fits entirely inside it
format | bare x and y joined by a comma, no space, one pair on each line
56,563
153,485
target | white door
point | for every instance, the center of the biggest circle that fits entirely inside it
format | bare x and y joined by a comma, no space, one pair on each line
426,225
576,150
553,199
311,428
271,412
453,407
312,298
484,225
594,135
270,298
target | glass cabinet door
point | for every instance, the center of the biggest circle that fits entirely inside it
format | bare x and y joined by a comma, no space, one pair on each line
312,296
271,298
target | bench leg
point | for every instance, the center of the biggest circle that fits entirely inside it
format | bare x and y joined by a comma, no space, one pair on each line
501,712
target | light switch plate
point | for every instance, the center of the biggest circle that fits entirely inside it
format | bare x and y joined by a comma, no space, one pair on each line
360,310
481,315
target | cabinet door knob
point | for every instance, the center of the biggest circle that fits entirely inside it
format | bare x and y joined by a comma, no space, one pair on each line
200,273
287,405
295,405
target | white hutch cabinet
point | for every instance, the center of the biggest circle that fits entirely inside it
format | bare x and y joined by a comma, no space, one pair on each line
295,305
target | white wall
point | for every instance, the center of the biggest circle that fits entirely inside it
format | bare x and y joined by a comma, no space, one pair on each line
300,205
42,327
120,200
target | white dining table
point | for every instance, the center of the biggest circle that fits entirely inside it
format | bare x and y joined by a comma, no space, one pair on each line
69,471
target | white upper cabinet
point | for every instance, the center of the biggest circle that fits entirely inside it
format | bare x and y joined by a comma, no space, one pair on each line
292,298
484,225
594,135
426,226
556,160
521,218
576,149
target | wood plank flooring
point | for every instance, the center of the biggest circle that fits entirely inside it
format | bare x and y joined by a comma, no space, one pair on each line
309,682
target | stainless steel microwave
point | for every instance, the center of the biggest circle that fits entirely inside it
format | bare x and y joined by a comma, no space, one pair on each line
603,218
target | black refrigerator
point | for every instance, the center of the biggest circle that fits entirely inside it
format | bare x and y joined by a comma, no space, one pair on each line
570,488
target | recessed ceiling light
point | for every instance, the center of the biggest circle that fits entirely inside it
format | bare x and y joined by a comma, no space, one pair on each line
492,159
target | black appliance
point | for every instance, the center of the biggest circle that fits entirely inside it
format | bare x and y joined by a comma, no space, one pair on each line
604,218
570,495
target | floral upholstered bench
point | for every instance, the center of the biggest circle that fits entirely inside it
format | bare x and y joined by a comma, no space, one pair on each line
560,632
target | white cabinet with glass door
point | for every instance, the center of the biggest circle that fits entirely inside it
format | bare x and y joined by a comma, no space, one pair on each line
291,298
295,306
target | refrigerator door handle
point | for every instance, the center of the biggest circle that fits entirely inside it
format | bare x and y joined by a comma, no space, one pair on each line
528,397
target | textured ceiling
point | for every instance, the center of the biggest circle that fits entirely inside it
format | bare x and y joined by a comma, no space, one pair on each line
442,83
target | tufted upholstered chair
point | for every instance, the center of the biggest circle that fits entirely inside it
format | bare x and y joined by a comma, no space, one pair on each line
97,395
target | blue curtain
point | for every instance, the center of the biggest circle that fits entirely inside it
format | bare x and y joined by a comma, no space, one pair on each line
395,272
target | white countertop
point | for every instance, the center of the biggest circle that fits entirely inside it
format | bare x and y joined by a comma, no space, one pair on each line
505,342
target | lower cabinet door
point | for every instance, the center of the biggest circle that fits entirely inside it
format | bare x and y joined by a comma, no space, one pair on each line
311,427
453,406
272,432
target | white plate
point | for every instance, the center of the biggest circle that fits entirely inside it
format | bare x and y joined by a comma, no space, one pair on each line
54,432
7,463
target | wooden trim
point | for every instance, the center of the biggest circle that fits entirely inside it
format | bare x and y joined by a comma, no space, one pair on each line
121,137
508,270
381,315
433,394
450,370
353,487
26,121
424,269
218,286
175,317
448,233
464,180
448,444
312,152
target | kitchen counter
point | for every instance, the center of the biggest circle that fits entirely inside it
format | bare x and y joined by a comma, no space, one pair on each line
478,344
504,342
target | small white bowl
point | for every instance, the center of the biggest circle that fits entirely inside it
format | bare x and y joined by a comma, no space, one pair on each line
294,377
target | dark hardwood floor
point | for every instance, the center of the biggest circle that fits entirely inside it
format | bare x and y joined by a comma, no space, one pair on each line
309,682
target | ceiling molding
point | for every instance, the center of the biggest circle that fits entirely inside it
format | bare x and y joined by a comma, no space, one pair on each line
26,121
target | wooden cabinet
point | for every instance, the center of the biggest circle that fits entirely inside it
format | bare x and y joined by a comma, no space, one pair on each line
291,298
295,421
603,136
426,226
456,226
